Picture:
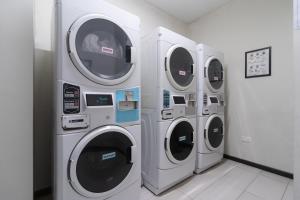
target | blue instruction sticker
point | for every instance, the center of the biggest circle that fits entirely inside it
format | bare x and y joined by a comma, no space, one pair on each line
127,105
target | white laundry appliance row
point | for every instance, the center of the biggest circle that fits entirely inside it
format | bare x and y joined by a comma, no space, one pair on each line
112,131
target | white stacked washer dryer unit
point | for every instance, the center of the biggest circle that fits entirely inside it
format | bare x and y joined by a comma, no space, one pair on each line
97,143
210,112
168,109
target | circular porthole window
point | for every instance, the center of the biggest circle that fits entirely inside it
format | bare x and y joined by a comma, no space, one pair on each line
102,161
179,141
101,50
180,67
214,74
214,132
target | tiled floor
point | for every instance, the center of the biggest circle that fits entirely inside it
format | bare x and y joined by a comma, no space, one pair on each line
227,181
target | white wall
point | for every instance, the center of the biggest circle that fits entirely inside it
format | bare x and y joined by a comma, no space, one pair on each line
16,97
151,17
261,108
297,112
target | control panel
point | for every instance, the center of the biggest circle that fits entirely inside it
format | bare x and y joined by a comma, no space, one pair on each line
179,100
71,99
98,100
178,105
213,104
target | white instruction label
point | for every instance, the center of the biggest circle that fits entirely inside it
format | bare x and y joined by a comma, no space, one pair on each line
182,73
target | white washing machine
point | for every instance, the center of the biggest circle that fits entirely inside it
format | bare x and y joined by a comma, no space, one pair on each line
168,151
97,142
210,141
169,109
211,74
210,133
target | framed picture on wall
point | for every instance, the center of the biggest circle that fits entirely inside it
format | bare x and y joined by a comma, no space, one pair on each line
258,63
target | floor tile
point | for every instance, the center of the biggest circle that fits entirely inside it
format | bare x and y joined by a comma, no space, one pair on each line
267,188
196,184
146,194
248,168
230,186
276,177
249,196
289,193
227,181
172,195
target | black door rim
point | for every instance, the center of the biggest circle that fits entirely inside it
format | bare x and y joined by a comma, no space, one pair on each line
187,140
72,167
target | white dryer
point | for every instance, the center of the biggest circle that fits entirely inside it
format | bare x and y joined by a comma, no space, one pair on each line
211,73
169,109
97,131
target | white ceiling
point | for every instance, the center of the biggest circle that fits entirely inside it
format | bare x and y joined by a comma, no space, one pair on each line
187,10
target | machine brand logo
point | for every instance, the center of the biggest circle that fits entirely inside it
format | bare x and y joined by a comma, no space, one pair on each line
182,73
182,138
107,50
109,156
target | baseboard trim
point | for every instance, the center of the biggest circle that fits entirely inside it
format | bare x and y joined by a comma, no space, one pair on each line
259,166
42,192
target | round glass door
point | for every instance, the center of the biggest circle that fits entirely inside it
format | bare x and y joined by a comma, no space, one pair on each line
214,74
180,67
214,132
101,50
180,141
102,161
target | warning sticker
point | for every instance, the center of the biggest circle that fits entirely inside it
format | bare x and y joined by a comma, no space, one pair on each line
182,73
107,50
216,78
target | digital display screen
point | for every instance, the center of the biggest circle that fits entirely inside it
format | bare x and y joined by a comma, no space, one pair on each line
179,99
214,100
99,100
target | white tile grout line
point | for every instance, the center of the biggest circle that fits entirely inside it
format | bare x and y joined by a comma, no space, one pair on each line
245,190
212,182
286,187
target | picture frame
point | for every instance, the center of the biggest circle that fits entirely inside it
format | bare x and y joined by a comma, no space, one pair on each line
258,63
